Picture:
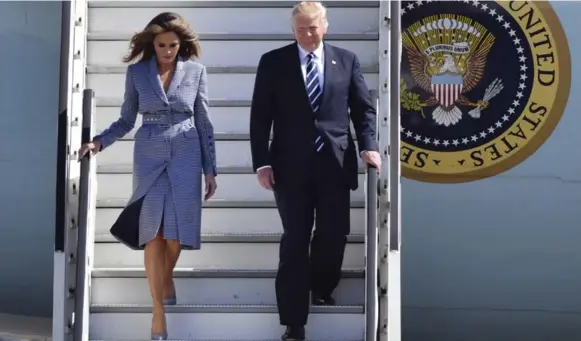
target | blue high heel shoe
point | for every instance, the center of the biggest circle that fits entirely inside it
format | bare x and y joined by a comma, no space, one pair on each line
170,301
159,336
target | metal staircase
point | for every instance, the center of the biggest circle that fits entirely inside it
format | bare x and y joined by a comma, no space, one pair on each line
225,290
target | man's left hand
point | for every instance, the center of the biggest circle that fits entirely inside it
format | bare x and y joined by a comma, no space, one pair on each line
372,158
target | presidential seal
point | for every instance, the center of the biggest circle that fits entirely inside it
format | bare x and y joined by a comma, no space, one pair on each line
483,86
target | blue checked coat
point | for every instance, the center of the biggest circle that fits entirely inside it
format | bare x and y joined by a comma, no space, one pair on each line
173,147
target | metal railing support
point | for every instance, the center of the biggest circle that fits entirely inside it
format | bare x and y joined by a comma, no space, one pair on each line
72,81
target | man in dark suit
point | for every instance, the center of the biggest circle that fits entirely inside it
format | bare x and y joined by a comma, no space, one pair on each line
308,92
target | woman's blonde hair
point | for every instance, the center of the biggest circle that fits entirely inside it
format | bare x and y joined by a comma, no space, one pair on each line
142,42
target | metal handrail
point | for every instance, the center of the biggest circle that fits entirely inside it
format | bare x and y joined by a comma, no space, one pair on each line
64,223
371,240
371,290
81,301
391,213
394,131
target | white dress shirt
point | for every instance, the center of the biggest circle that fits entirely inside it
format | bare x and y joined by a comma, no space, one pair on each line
319,63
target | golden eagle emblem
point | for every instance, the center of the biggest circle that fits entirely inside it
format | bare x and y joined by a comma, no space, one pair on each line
447,58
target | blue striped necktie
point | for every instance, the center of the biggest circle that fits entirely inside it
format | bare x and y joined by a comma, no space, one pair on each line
314,92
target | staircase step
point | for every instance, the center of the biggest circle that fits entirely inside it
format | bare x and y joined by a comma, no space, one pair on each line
218,308
127,168
218,53
229,155
227,121
198,290
251,20
234,204
238,86
104,101
232,220
139,272
218,136
231,187
112,36
261,256
122,69
227,322
224,4
106,237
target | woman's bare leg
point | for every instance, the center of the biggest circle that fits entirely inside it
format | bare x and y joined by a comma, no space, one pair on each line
172,253
155,270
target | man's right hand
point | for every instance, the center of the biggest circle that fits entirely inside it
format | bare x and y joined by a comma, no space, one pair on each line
266,177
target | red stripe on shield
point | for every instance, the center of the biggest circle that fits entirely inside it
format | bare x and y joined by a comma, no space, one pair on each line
446,94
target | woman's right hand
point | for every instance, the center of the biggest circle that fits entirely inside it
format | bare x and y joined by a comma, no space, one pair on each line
93,146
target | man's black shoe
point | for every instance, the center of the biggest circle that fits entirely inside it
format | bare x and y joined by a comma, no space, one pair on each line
322,300
294,333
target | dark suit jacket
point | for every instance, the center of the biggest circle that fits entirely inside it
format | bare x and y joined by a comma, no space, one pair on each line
280,102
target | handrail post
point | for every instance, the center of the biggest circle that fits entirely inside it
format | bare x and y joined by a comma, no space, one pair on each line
84,230
371,296
394,181
384,99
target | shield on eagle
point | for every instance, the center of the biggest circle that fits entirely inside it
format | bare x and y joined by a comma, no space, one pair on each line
447,88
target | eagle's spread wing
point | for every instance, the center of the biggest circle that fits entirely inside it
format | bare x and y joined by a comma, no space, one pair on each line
476,64
418,68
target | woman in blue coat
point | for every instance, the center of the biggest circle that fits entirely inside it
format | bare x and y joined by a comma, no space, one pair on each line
173,148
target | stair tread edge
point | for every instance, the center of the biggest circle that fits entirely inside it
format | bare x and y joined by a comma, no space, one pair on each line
208,273
242,204
218,308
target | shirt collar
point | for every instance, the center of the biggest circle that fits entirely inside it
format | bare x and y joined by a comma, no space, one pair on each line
318,52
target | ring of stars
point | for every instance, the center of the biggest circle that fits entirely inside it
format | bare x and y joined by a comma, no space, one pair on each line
470,140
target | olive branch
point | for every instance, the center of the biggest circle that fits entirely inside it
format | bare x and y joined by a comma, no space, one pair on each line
411,100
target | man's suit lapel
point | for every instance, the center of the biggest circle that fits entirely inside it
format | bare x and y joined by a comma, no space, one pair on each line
329,66
297,74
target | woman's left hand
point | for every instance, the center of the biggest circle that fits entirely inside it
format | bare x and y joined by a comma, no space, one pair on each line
211,186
